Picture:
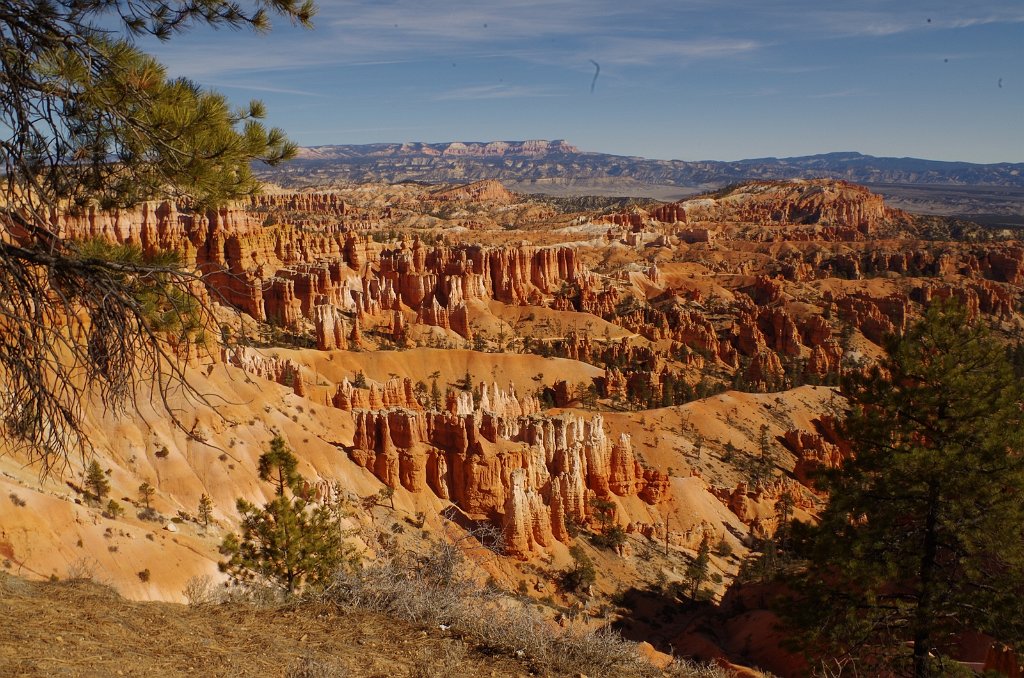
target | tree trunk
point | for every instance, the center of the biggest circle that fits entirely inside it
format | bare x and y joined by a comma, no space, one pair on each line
923,614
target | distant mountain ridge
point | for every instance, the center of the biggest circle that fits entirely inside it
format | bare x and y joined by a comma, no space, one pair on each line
469,149
553,161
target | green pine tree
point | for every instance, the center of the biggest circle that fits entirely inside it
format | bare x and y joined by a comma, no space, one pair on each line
96,482
280,467
290,542
90,120
922,537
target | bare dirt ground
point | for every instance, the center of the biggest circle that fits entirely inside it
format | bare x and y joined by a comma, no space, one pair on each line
79,628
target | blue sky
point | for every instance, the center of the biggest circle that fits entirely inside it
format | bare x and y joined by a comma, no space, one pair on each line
686,79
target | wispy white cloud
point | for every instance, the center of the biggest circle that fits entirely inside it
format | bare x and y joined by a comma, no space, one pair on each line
644,51
795,69
840,94
263,88
455,22
751,93
496,92
889,22
385,32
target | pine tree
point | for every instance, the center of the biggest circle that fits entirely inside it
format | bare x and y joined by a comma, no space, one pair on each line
146,494
290,543
205,509
921,539
697,571
435,396
280,467
96,481
583,573
87,119
114,510
435,391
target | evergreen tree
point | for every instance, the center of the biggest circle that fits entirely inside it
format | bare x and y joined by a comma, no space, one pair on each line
583,573
435,396
87,119
114,510
668,389
697,571
205,509
784,514
96,481
698,446
146,494
290,542
435,391
386,494
280,467
922,536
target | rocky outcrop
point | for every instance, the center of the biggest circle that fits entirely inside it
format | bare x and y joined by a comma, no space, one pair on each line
313,203
823,202
875,317
329,328
977,297
503,462
816,451
488,190
764,372
526,523
282,371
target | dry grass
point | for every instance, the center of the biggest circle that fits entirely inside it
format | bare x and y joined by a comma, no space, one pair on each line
414,616
79,628
430,589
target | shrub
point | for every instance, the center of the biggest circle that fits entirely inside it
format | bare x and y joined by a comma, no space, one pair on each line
582,574
200,590
612,538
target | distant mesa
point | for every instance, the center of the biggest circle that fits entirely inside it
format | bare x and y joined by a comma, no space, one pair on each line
992,194
486,160
456,149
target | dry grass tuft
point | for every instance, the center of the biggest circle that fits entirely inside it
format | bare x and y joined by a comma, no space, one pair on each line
431,590
310,666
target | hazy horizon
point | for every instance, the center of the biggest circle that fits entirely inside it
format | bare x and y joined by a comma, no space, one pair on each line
597,151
